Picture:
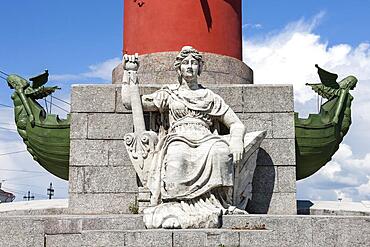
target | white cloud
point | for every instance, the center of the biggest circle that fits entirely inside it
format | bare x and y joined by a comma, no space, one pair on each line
102,71
347,176
288,56
252,26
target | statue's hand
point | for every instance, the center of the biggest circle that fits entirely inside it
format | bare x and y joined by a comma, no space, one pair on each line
131,62
130,66
237,149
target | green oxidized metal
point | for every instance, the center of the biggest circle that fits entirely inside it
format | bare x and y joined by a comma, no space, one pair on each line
45,135
318,137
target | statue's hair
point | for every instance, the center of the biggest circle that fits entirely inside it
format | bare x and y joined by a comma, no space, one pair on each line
186,51
348,83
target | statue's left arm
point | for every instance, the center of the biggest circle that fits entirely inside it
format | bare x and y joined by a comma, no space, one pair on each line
237,131
341,104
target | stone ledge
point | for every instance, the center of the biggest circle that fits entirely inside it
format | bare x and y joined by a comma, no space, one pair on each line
253,98
237,230
75,224
257,98
93,98
101,203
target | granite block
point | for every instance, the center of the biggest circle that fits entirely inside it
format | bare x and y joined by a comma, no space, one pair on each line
117,154
110,179
283,125
189,238
218,237
154,62
268,98
279,230
341,231
93,98
149,238
217,78
115,203
89,153
76,179
293,231
103,238
63,240
258,238
159,78
219,63
278,152
265,179
78,126
258,122
283,98
119,222
109,126
232,95
273,203
241,98
65,225
99,153
21,232
286,179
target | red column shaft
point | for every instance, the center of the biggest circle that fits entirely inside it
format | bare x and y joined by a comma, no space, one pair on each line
166,25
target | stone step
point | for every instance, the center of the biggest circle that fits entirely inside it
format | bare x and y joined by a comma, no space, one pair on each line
166,238
74,224
237,230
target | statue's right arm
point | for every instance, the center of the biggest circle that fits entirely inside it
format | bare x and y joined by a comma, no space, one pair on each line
146,100
126,97
130,86
27,107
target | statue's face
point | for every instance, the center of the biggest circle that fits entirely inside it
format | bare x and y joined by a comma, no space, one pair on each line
189,67
15,80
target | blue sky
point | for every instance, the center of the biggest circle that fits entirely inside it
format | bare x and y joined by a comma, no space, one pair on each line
80,41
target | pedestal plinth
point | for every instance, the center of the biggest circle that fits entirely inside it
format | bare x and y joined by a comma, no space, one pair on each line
103,180
157,68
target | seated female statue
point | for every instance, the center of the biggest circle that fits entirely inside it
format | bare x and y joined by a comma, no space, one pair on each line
191,174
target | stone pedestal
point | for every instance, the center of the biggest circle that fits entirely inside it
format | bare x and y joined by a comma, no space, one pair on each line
102,179
157,68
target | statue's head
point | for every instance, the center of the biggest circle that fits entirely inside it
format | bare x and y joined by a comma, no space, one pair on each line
188,63
15,81
349,82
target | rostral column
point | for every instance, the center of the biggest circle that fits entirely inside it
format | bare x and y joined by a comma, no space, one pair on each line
158,29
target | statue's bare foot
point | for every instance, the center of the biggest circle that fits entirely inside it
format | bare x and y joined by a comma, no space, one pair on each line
171,223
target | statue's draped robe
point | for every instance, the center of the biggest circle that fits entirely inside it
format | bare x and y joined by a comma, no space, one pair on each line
192,167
